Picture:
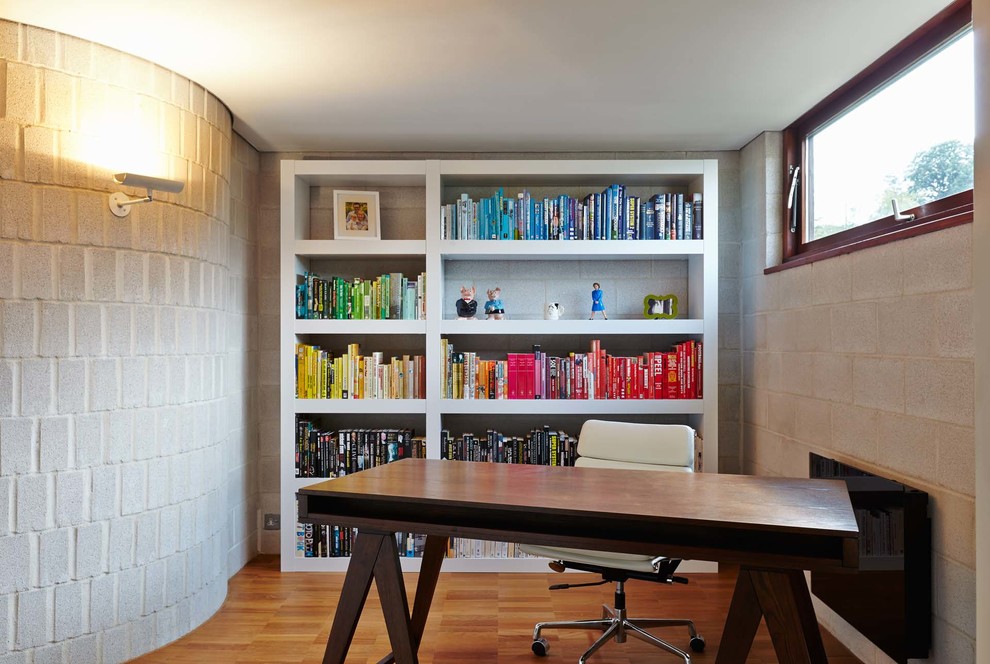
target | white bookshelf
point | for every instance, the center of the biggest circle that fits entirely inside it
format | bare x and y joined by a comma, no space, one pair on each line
304,183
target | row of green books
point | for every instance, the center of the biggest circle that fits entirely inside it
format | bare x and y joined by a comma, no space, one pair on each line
390,296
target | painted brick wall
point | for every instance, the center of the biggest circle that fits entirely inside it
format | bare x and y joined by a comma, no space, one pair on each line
127,441
867,358
241,455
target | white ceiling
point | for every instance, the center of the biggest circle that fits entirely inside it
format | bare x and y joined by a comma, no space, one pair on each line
499,75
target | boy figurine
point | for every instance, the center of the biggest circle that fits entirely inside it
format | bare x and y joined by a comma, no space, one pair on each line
597,301
493,307
466,307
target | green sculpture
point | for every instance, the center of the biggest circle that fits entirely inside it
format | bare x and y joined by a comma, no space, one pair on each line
660,306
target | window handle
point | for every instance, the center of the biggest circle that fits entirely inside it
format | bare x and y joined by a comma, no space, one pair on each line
898,216
792,203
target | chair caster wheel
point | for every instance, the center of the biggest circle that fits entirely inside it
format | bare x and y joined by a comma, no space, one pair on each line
541,647
697,643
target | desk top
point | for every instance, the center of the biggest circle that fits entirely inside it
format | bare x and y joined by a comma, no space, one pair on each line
802,523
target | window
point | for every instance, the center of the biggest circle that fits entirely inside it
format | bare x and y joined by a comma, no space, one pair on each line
900,131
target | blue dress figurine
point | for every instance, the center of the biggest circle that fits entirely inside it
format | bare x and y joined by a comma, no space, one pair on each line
597,301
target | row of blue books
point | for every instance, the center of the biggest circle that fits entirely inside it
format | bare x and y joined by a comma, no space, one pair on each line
609,215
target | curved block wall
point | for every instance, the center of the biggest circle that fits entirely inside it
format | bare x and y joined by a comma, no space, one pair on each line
122,443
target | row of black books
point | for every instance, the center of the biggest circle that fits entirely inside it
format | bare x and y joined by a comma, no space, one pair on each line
612,214
335,541
323,540
542,447
322,453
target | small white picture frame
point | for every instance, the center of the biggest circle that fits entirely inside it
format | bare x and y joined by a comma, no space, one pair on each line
356,215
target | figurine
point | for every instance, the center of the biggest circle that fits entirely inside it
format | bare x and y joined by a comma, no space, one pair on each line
597,301
554,311
493,307
467,307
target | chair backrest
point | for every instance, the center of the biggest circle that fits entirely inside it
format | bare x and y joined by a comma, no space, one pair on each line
630,445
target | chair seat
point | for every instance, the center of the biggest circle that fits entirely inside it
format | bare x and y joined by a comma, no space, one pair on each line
628,561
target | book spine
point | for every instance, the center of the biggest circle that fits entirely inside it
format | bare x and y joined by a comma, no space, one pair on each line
649,220
698,217
701,370
668,228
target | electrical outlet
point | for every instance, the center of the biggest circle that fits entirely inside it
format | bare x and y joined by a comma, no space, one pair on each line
272,521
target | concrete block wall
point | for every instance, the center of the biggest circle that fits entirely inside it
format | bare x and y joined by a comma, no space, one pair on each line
241,370
412,227
868,358
127,441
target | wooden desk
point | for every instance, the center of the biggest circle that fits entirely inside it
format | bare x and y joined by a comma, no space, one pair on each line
772,527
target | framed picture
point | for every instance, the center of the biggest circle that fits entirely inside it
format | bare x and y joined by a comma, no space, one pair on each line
356,215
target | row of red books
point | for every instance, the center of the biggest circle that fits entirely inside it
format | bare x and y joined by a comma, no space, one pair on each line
672,374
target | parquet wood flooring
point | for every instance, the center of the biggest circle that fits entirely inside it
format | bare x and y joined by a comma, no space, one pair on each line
270,617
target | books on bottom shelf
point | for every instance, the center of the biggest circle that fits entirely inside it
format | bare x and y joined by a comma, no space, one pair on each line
459,547
881,532
320,375
323,540
542,446
673,374
336,541
324,453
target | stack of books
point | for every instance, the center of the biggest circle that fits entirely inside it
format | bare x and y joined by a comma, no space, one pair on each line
609,215
389,297
672,374
320,375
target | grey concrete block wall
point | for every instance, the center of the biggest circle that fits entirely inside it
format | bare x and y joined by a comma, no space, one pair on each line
868,358
117,429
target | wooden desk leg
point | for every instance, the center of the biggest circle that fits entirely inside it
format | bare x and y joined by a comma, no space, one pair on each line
392,592
782,598
357,582
429,571
790,615
741,623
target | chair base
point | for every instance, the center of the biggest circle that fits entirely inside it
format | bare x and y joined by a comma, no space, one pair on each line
615,625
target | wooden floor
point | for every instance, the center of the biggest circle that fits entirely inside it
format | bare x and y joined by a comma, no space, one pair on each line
274,617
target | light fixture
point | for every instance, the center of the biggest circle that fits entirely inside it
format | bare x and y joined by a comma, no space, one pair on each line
120,204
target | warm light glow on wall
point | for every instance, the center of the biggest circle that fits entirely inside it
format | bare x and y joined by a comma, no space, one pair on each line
121,137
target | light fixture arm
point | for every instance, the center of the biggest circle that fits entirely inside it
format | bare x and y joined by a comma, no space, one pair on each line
120,203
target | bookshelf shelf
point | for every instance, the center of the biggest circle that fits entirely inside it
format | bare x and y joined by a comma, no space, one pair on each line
346,406
359,327
573,406
569,249
412,243
680,327
359,248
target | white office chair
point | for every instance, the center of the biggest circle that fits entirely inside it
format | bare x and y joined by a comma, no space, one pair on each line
661,447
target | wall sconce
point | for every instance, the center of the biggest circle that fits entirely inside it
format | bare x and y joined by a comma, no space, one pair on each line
120,204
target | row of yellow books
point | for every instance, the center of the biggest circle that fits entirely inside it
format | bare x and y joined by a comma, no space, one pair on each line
320,375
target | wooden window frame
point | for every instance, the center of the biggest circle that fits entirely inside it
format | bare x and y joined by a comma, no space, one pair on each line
942,213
